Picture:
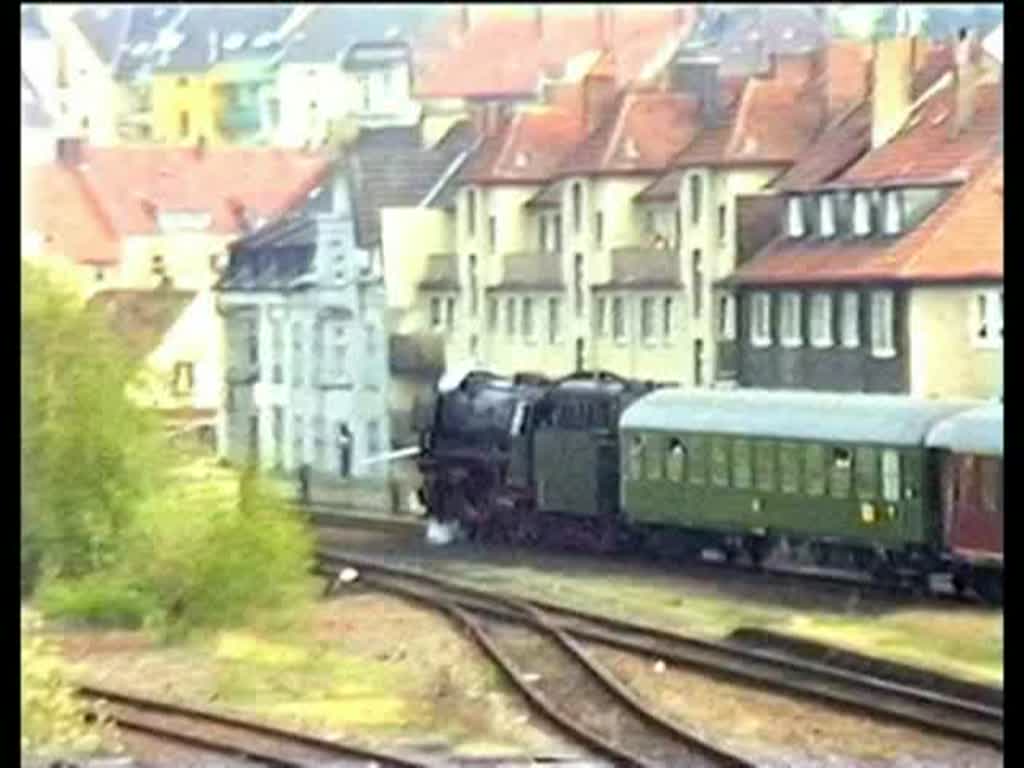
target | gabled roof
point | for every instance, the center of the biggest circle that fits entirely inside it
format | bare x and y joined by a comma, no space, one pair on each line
125,36
140,318
390,168
960,241
530,270
84,211
216,34
472,67
528,149
645,130
640,267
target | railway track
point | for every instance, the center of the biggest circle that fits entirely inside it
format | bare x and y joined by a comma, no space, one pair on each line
564,683
943,706
232,737
341,515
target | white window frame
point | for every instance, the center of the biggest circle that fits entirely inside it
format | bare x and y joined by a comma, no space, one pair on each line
827,215
620,333
527,326
554,319
883,323
790,333
850,320
795,225
726,317
760,304
862,214
821,319
893,224
647,319
986,311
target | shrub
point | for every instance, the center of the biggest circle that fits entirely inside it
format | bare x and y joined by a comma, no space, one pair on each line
52,719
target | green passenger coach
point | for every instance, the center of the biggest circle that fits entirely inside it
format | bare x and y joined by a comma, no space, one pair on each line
745,469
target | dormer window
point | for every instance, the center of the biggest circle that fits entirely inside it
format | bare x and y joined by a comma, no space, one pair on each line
828,215
795,217
893,212
861,214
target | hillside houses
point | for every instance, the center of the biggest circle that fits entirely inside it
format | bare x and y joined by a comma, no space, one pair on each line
713,199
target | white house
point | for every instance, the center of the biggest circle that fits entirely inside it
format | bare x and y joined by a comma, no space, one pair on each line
307,364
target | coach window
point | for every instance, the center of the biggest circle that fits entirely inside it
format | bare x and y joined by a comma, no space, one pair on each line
654,458
676,462
839,473
697,461
636,457
765,456
891,475
719,462
789,468
814,470
742,472
865,468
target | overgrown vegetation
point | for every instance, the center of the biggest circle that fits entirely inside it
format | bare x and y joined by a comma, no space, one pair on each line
114,533
52,719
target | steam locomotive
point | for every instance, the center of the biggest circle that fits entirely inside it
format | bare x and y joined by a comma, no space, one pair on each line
895,487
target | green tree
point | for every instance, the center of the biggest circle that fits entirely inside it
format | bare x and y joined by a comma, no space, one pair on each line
89,454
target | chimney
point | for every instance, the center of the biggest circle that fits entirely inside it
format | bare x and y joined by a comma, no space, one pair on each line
965,78
538,20
69,151
599,92
699,76
891,88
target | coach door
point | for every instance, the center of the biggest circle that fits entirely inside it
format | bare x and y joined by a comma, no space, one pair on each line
972,503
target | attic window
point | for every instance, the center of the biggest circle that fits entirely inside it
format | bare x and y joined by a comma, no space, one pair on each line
521,159
234,41
827,221
861,214
795,217
893,212
630,149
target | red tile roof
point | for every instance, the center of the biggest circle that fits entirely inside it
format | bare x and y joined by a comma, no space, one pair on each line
116,192
645,131
843,144
924,148
529,148
961,241
505,56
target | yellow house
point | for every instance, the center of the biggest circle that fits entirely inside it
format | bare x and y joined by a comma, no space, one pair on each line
169,331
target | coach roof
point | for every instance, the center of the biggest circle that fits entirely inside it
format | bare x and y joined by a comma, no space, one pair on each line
838,417
979,430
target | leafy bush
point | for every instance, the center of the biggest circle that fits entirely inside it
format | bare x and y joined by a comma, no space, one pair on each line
117,526
52,719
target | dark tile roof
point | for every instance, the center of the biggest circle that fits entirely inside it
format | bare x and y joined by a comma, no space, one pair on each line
639,267
836,149
420,354
664,188
32,24
256,27
330,30
125,36
441,273
530,270
744,38
390,167
141,318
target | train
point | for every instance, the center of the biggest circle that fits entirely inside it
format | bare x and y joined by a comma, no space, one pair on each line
893,487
